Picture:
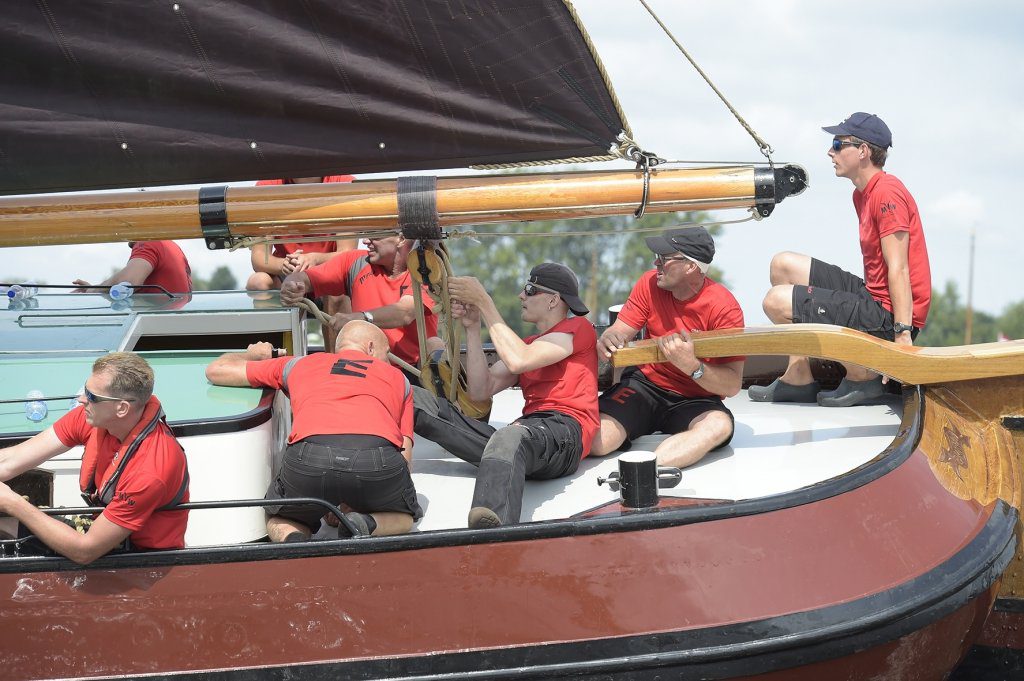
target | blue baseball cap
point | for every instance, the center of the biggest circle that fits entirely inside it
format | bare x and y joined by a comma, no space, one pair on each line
865,126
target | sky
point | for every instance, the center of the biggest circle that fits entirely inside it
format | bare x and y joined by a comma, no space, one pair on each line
945,76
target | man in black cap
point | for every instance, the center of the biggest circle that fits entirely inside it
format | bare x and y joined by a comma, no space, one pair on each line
890,302
557,371
683,396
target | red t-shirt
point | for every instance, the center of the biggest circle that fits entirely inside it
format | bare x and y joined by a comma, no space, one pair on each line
151,479
714,307
370,287
883,208
346,393
568,386
285,249
170,266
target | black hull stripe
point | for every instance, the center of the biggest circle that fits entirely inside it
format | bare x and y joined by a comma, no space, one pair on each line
746,649
629,521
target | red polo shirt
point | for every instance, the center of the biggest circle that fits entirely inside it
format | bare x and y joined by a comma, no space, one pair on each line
883,208
713,307
346,393
568,386
170,266
151,479
370,287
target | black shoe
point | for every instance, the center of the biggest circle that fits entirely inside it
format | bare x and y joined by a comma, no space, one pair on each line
780,391
850,393
482,518
358,521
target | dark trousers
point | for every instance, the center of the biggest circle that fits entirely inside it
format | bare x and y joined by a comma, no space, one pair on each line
542,446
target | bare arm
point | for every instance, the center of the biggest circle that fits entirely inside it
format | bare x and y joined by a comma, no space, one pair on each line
614,337
28,454
263,260
229,368
393,316
895,251
483,381
102,536
134,272
407,450
720,379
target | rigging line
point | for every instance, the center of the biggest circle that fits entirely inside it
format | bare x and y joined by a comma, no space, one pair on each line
766,148
310,307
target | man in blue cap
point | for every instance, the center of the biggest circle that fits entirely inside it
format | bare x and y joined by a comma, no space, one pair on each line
890,302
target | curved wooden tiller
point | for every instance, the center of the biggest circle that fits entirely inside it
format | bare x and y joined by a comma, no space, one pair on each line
973,431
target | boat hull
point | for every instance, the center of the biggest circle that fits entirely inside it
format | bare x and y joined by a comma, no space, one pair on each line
860,579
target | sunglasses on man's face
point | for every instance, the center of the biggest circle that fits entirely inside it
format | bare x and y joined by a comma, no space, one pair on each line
661,260
837,144
533,289
93,398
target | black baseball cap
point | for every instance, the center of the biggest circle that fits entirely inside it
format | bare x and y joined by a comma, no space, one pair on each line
865,126
693,242
560,278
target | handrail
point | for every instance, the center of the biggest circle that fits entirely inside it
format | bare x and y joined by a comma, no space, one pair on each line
907,364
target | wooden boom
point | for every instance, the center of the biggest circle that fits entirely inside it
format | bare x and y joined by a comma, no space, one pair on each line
911,365
367,205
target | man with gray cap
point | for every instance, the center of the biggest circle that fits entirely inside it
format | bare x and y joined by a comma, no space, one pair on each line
557,371
891,301
681,397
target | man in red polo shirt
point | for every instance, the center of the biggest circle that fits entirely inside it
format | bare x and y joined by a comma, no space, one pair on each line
152,264
351,439
681,397
378,282
271,266
132,465
891,301
557,371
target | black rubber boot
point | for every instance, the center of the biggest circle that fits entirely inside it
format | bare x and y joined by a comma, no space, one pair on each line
780,391
850,393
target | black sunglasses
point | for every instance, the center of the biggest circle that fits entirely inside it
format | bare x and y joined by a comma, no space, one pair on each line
533,289
661,260
94,398
837,145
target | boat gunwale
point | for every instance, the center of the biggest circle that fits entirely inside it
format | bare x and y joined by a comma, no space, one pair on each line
581,524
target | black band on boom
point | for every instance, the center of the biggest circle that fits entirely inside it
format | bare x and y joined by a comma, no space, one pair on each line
417,207
213,216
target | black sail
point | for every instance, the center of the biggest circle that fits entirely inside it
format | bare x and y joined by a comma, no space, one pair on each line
130,93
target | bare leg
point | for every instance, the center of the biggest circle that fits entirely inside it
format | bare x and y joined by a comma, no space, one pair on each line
609,438
786,271
391,522
706,432
261,281
279,528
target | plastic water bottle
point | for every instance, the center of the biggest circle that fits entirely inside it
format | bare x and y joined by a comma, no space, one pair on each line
74,400
35,408
22,291
122,291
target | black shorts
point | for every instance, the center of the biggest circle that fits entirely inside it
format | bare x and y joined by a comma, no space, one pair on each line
367,479
643,408
834,296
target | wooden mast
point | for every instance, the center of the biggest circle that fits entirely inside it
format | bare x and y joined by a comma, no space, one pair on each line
367,205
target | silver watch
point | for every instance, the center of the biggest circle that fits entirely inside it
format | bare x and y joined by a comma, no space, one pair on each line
698,372
368,316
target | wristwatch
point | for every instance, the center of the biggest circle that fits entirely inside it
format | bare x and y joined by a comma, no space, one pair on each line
698,372
900,328
368,316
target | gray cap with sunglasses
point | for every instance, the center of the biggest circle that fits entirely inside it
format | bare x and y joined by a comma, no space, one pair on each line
561,280
865,126
693,242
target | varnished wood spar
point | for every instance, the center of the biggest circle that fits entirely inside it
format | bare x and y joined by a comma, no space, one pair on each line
911,365
347,208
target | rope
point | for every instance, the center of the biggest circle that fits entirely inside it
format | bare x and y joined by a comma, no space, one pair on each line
764,146
324,318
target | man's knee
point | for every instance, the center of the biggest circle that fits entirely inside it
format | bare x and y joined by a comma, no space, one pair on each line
716,425
788,267
506,443
609,437
259,281
778,303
